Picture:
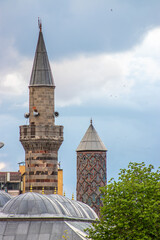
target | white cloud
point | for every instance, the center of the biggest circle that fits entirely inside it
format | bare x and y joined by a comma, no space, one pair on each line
105,77
13,84
88,77
2,165
150,45
14,73
111,77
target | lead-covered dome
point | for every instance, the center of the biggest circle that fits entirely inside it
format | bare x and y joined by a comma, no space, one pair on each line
35,204
4,198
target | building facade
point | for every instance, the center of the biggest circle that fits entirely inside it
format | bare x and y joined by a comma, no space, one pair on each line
10,182
41,139
91,168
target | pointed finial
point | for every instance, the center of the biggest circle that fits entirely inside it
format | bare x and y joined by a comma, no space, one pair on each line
72,196
91,121
64,194
40,24
42,190
55,190
31,188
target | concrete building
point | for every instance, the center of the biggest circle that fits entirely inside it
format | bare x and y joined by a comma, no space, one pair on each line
91,168
10,182
41,139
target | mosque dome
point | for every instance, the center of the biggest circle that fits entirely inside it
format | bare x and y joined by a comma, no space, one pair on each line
4,198
38,216
35,204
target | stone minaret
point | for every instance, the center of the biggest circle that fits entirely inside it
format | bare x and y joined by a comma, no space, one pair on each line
41,139
91,168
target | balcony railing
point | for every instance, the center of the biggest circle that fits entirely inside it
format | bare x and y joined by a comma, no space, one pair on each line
41,132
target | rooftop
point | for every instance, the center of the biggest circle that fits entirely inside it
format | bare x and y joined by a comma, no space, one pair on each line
36,216
13,176
91,141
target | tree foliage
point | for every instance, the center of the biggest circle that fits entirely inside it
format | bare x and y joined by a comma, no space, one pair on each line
131,206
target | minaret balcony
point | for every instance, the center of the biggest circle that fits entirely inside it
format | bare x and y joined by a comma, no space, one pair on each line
35,132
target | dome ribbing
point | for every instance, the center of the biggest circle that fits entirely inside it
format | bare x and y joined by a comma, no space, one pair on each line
35,204
4,198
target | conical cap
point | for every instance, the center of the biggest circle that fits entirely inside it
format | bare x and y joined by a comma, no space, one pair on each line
41,71
91,141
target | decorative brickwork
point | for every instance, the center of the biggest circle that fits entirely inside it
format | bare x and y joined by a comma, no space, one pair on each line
91,174
41,169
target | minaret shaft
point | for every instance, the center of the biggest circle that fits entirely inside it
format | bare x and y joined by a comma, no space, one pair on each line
91,169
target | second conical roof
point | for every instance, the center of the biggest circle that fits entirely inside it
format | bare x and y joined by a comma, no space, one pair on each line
41,72
91,141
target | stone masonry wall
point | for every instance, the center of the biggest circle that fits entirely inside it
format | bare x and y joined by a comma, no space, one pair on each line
41,99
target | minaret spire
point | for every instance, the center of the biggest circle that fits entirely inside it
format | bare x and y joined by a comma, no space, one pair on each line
41,72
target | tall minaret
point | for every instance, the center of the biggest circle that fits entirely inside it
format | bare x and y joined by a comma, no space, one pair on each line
41,139
91,168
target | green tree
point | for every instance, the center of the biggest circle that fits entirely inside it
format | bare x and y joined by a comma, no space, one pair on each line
131,206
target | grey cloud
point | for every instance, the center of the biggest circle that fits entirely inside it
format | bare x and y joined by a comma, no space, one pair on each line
73,27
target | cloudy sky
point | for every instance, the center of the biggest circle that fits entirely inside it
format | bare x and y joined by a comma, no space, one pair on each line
105,59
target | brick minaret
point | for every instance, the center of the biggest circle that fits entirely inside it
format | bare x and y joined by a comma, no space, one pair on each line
41,139
91,168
